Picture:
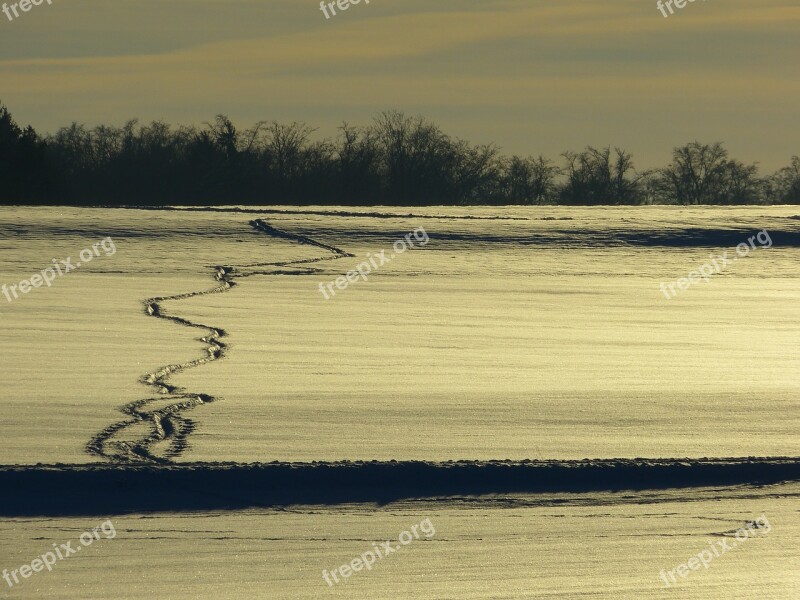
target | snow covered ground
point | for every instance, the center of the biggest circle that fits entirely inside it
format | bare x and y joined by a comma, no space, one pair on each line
546,337
540,334
595,546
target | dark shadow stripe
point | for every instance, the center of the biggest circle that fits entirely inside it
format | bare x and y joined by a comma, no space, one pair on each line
103,489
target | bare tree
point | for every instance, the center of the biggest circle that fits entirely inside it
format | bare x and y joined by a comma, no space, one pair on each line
397,159
358,159
703,174
476,171
594,177
224,136
530,180
784,186
285,145
417,159
741,184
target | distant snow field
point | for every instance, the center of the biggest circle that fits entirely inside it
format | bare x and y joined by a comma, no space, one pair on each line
541,334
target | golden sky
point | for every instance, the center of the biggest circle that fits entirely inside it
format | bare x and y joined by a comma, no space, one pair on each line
534,76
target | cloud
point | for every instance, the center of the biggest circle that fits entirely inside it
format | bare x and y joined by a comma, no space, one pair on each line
710,64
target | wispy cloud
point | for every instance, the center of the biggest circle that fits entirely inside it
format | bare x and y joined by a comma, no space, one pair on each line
724,69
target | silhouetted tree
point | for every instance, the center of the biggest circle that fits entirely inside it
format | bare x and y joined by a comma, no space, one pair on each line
25,173
416,160
784,186
594,177
703,174
395,160
476,174
358,162
530,180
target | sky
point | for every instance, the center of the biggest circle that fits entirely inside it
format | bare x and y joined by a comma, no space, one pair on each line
532,76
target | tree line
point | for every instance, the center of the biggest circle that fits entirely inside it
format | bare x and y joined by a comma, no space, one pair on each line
395,160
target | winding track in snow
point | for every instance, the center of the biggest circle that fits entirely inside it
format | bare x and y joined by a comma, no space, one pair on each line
166,427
